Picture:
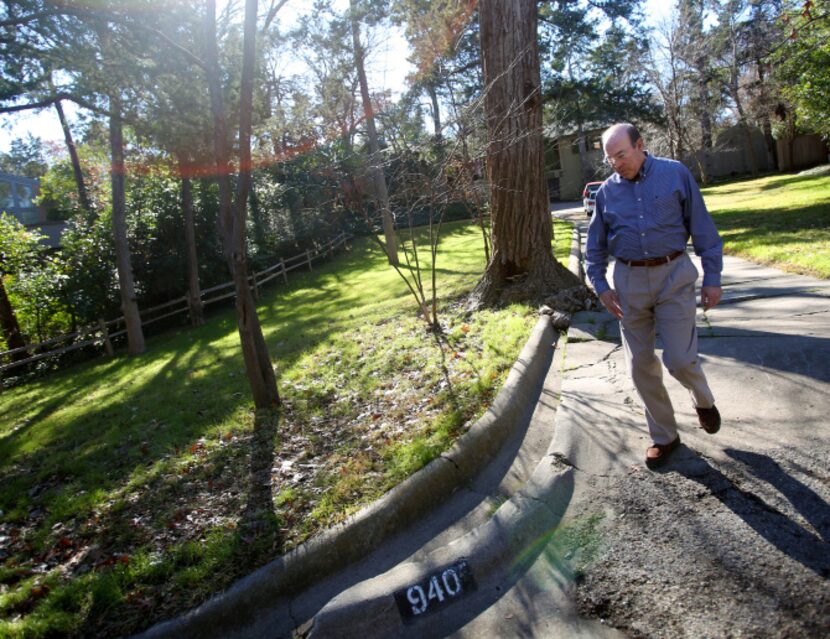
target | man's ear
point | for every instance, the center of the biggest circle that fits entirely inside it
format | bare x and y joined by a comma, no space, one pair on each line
640,145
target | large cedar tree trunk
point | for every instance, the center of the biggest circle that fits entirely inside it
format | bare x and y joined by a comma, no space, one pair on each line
381,194
522,257
258,366
129,303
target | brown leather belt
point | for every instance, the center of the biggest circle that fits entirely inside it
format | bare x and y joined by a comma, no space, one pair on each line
654,261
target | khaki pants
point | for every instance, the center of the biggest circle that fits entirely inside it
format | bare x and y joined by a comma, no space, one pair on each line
661,298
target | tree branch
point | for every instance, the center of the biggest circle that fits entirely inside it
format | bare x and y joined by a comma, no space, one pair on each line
50,100
272,13
114,17
15,22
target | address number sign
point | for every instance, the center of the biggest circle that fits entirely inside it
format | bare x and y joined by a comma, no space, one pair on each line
436,591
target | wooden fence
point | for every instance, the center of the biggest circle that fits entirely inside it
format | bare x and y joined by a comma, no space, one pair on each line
103,332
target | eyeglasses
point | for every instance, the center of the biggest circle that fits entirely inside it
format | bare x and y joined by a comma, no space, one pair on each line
619,157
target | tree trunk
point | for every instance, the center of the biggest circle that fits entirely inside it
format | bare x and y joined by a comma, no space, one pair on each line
436,110
256,218
129,304
381,194
705,115
220,133
521,220
258,366
766,124
194,292
11,328
83,196
743,123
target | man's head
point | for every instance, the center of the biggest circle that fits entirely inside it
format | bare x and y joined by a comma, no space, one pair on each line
624,149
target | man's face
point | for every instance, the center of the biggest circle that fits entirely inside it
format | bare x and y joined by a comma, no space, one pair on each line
622,156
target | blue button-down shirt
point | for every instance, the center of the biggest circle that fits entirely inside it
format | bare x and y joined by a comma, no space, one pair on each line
652,215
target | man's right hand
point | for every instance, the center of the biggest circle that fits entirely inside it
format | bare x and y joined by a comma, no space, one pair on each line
611,302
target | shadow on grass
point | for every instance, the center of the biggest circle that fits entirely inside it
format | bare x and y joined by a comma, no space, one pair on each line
757,224
259,515
192,382
769,182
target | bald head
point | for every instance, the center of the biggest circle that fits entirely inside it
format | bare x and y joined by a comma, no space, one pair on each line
624,149
622,128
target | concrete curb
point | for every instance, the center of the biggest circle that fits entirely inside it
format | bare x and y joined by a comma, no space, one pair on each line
235,612
575,257
518,528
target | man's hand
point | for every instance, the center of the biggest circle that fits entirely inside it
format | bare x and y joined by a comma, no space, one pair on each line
710,296
611,302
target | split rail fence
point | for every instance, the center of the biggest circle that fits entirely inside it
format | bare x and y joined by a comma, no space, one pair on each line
104,332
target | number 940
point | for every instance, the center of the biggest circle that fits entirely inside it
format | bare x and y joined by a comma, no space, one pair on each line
436,591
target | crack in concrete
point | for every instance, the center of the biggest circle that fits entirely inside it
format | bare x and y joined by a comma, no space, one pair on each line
605,358
562,459
452,461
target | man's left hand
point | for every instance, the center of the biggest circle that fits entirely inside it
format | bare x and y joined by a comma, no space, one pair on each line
710,296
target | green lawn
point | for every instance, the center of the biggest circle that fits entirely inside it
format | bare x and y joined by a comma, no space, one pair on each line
123,481
780,220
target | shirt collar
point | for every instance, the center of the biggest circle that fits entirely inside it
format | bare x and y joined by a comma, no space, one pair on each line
645,170
647,165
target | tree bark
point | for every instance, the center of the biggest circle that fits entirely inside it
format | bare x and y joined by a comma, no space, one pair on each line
521,220
83,196
381,194
436,110
11,327
220,133
705,115
258,366
256,219
129,303
766,123
194,292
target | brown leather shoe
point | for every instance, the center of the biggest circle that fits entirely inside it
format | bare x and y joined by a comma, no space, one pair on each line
709,419
660,453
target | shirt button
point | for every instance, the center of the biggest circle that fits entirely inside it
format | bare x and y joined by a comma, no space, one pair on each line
639,199
643,234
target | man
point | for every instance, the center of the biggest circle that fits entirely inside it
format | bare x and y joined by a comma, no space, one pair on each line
644,215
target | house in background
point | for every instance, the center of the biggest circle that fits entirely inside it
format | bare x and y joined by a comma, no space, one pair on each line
565,170
735,151
17,197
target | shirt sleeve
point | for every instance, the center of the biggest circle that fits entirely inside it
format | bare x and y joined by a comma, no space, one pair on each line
596,247
705,238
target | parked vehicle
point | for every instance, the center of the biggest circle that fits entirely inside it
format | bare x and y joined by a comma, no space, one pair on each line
589,196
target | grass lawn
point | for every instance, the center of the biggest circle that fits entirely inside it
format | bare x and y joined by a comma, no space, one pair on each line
780,220
123,481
